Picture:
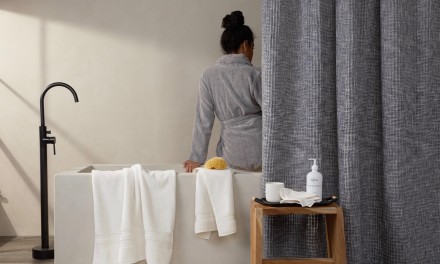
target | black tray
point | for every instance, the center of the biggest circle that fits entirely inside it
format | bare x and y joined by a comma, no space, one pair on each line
325,201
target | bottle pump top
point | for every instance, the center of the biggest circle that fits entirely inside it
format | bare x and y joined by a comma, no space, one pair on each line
314,166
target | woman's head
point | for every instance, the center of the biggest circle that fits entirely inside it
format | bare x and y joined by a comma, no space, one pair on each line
237,37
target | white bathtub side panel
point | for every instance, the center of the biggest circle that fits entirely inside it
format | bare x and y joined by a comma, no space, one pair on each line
74,227
74,224
233,249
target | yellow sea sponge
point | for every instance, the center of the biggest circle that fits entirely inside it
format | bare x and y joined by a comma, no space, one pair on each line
216,163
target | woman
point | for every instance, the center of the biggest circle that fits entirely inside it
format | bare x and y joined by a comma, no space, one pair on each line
230,90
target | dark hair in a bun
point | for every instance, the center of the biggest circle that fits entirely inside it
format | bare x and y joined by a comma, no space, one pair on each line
235,32
235,19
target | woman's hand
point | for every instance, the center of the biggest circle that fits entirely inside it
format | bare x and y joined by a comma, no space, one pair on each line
190,165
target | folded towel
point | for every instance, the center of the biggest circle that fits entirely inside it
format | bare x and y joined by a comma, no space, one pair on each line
134,215
214,208
304,198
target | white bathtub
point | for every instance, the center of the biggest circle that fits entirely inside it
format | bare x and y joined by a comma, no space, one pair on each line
74,226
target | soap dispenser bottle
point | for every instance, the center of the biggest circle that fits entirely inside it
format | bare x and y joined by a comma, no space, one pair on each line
314,180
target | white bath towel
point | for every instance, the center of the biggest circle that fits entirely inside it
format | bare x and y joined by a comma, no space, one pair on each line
134,215
304,198
214,203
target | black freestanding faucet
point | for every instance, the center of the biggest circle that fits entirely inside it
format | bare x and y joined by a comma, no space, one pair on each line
45,251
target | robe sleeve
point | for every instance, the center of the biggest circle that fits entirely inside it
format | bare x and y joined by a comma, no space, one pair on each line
256,90
203,123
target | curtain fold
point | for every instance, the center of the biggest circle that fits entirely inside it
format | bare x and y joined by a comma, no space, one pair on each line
301,61
355,84
360,139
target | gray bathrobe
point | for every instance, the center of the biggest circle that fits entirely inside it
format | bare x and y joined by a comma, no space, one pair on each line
230,90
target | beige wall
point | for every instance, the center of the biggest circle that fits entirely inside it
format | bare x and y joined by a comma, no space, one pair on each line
135,65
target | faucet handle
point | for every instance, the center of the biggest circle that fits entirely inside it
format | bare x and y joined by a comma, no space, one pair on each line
48,132
50,140
53,141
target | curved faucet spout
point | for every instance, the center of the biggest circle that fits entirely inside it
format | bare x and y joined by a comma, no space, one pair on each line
75,97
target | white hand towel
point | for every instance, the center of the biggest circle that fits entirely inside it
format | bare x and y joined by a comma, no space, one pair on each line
134,215
304,198
214,203
108,196
158,195
132,238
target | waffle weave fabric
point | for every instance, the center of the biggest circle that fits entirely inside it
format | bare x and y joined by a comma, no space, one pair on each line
355,84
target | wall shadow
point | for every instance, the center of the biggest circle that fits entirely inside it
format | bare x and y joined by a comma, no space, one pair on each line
14,162
78,145
6,226
25,177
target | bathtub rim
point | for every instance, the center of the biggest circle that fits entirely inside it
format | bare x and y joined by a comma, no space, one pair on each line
87,169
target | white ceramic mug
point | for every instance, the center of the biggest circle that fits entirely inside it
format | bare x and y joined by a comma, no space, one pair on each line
273,191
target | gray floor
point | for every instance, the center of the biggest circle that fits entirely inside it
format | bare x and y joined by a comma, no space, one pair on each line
19,250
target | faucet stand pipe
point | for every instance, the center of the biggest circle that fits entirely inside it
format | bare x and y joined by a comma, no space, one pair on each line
45,251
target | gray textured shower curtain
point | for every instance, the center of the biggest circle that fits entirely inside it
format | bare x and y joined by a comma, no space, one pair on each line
355,84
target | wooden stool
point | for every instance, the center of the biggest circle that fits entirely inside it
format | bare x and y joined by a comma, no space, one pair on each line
334,223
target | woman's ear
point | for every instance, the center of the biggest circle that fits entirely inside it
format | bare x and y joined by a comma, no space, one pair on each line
245,45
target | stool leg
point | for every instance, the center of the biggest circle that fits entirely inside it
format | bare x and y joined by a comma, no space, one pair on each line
327,222
336,237
256,235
